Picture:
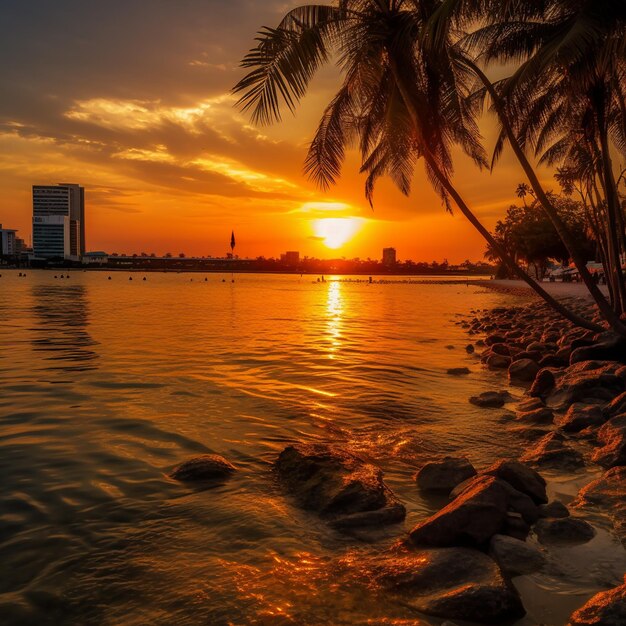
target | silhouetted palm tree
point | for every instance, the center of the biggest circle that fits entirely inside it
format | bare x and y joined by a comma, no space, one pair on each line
568,90
402,98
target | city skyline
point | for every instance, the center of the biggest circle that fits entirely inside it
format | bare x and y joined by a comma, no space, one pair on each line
164,152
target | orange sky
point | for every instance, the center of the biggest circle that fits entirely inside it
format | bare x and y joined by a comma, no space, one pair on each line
136,108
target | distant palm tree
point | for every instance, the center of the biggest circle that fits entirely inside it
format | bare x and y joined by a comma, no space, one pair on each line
402,98
522,191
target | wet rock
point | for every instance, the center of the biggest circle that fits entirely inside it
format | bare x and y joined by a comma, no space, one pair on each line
515,557
451,583
515,526
529,404
527,354
491,399
543,384
521,477
607,491
498,362
553,452
612,436
473,517
564,530
203,468
542,415
607,608
587,381
469,348
491,339
444,475
553,360
580,416
523,371
610,348
338,485
501,349
458,371
554,509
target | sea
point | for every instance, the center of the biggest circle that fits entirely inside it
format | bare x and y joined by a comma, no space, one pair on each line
110,379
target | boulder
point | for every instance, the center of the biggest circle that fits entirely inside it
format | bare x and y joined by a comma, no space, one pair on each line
543,384
564,530
523,371
553,360
450,583
501,349
580,416
607,608
530,404
553,452
491,399
208,467
337,485
498,362
458,371
515,557
491,339
444,475
587,381
469,348
554,509
471,518
521,477
609,348
542,415
612,436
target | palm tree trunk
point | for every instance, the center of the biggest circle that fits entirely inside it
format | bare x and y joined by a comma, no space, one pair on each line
607,311
467,212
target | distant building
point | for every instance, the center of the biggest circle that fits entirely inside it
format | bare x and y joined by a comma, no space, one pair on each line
59,221
8,242
290,258
389,257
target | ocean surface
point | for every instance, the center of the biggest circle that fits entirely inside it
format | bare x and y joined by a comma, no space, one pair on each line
106,384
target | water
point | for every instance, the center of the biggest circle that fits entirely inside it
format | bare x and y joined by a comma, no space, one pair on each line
107,384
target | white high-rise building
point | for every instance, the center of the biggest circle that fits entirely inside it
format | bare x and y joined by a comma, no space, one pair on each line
58,221
8,244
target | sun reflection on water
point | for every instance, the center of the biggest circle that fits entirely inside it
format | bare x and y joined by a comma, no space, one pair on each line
334,316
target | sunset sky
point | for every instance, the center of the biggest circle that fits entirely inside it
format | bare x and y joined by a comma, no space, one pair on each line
132,100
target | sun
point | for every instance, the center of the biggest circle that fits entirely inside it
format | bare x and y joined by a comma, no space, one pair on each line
336,231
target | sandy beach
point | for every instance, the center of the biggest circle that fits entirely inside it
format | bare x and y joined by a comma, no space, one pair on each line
560,290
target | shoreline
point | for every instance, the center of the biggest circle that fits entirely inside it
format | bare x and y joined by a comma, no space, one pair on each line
556,289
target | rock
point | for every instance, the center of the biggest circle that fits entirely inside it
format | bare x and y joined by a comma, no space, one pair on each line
607,608
553,360
521,477
610,348
613,437
580,416
498,362
339,486
530,404
501,349
451,583
469,348
564,530
444,475
554,509
473,517
491,339
515,526
523,370
202,468
515,557
491,399
458,371
533,356
542,415
543,384
616,406
552,452
587,381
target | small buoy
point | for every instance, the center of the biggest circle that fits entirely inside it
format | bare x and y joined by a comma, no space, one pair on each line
130,278
205,278
144,278
109,278
55,275
233,280
223,280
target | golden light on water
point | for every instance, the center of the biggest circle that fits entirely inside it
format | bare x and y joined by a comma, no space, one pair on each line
335,231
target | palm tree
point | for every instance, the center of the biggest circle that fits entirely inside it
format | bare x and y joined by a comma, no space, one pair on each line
522,191
401,99
567,90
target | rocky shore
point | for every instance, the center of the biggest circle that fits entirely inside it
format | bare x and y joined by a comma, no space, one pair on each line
460,563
